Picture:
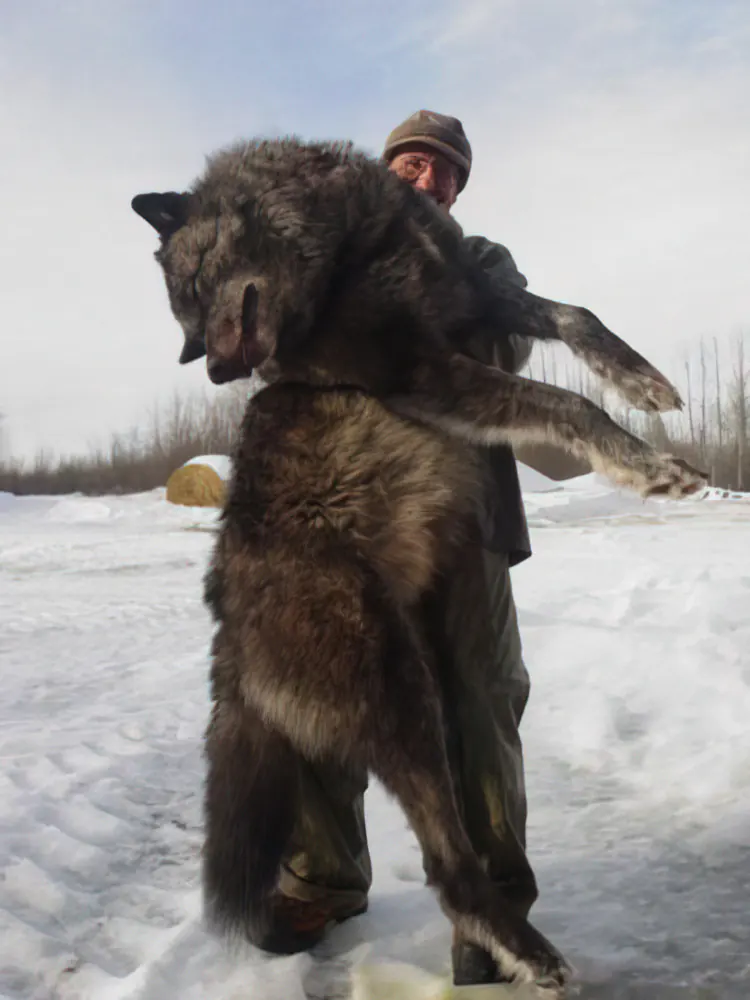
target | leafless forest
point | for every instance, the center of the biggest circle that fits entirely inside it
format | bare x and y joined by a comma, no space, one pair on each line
712,432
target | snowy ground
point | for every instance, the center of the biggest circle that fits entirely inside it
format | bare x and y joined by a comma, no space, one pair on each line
636,628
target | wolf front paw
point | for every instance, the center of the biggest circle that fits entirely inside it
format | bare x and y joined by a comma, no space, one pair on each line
616,362
663,475
646,390
676,478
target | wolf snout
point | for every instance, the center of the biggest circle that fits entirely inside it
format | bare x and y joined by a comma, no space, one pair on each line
232,342
221,372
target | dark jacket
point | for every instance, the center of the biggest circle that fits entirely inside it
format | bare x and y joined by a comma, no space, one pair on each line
502,519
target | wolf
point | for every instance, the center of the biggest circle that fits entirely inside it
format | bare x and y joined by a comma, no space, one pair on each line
314,265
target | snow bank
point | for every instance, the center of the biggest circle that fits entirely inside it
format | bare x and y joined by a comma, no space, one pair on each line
71,510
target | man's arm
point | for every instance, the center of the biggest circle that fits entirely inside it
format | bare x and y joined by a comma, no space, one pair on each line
501,350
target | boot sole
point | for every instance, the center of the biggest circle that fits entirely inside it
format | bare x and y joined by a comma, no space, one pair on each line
283,942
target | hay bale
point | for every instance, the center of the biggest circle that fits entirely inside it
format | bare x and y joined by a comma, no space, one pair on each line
196,485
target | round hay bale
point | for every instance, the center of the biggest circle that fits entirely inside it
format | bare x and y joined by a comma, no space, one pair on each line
196,485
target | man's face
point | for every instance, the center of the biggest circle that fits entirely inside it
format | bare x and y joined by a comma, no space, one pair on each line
429,171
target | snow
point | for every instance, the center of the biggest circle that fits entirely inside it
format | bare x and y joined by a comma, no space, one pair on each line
636,632
79,509
533,481
221,464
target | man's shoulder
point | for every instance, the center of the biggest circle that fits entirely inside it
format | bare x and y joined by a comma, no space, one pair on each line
495,259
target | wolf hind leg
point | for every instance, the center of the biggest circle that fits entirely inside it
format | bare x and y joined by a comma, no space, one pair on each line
406,750
350,682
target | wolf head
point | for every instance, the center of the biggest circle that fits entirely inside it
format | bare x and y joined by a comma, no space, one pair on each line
252,251
212,292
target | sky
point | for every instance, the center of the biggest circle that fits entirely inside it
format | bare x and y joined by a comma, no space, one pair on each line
611,145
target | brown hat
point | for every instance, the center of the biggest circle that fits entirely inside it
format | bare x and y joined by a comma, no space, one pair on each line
441,132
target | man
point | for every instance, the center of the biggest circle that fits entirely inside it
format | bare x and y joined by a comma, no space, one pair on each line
326,875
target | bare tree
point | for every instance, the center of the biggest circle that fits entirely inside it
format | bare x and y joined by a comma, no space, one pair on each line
704,397
690,403
741,388
719,410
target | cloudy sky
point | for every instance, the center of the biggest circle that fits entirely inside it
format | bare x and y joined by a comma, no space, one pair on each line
611,142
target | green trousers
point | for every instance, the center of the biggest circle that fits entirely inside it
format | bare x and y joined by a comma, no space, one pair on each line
487,687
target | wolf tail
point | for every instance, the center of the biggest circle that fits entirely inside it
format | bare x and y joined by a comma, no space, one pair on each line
250,802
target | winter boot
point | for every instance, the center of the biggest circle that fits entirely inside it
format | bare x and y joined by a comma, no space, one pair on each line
298,924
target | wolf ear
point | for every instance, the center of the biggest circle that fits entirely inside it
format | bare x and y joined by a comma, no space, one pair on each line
192,350
166,211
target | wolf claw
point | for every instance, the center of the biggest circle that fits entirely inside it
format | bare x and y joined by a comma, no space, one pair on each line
663,475
647,392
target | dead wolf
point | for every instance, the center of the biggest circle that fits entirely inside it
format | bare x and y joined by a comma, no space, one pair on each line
352,485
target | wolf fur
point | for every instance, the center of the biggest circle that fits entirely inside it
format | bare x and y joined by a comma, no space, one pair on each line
352,491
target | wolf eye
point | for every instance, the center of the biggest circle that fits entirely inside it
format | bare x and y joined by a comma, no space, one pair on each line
196,293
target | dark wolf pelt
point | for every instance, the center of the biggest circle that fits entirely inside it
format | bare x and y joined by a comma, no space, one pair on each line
351,492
